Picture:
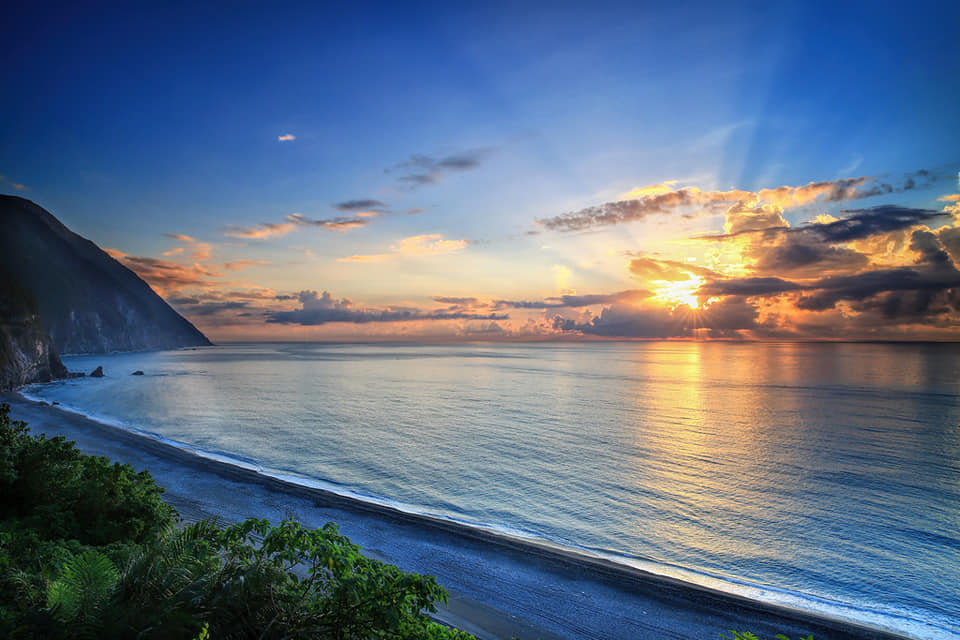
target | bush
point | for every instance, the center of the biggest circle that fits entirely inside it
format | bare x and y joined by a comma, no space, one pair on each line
89,549
53,489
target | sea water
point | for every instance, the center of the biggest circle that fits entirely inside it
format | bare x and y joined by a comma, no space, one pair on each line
823,476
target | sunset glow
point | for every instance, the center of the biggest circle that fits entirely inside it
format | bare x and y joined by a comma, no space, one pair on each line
682,292
482,175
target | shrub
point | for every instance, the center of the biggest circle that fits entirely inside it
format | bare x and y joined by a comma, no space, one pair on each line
89,549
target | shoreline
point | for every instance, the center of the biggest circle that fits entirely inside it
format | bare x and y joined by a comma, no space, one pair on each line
500,586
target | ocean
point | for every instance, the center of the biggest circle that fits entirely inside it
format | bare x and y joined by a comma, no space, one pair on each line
820,476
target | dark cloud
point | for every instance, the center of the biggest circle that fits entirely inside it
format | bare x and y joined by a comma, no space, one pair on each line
863,223
748,287
576,301
183,300
612,213
456,301
215,308
924,306
359,205
340,223
931,250
904,288
798,256
950,237
421,169
317,309
827,292
856,225
727,318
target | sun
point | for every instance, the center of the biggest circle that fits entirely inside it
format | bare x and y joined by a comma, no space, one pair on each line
674,294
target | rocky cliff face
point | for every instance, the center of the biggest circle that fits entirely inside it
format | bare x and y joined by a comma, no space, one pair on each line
89,302
26,352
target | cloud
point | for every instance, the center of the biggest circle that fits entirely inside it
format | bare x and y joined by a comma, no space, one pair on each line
664,199
744,218
931,250
800,257
287,137
754,286
457,301
652,190
862,223
574,301
950,237
424,245
863,287
340,223
359,205
237,265
647,268
202,309
180,236
934,274
729,318
953,201
318,309
165,276
19,187
260,231
199,251
419,170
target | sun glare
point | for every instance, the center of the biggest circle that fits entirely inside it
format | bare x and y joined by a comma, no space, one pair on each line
674,294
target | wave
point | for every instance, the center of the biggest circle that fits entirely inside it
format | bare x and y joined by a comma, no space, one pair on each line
921,625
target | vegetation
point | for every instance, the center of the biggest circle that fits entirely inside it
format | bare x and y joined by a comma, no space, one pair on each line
89,549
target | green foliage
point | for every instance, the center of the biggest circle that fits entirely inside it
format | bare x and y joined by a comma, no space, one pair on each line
53,489
83,589
88,549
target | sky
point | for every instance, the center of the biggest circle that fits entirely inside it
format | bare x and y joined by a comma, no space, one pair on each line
504,171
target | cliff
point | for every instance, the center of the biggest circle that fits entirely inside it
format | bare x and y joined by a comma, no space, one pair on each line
89,302
26,352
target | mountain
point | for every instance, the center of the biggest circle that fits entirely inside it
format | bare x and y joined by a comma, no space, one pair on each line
89,302
26,353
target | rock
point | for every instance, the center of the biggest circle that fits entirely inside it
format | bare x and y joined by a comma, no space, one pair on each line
88,302
26,352
137,373
97,373
54,403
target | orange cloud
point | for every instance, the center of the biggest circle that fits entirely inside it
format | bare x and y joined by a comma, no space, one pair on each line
423,245
260,231
664,199
164,276
181,237
237,265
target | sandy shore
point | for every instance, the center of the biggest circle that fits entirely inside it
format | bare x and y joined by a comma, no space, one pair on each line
500,587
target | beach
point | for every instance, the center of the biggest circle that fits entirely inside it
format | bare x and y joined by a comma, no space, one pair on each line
500,586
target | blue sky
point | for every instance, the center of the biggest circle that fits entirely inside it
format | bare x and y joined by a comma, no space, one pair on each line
133,121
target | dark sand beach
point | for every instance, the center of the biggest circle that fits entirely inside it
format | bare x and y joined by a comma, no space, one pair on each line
500,587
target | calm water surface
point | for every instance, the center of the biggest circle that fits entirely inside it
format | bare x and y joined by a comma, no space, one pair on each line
821,475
